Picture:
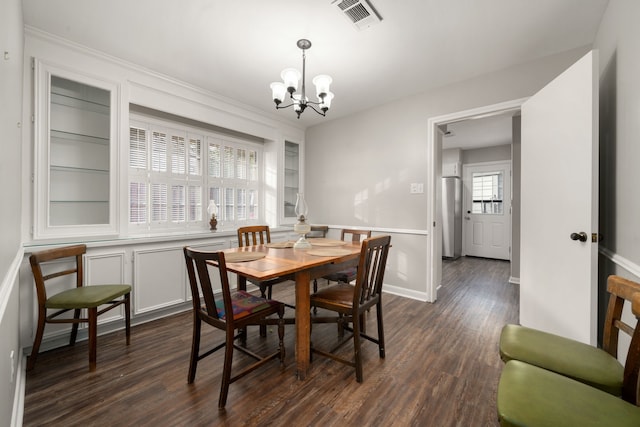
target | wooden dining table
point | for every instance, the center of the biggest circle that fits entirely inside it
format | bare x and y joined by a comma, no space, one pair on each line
302,265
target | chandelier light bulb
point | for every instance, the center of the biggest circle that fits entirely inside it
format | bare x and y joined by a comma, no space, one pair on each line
326,101
279,90
322,83
291,76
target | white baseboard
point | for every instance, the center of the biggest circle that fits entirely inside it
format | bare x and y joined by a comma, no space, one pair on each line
18,397
407,293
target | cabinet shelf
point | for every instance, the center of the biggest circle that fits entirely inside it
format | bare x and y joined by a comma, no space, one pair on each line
89,103
79,201
59,135
62,168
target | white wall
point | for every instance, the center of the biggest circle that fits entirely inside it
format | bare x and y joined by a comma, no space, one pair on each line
359,168
11,40
618,41
487,154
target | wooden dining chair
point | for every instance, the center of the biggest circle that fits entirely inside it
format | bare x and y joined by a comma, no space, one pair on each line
260,235
317,231
350,302
348,275
597,367
49,268
532,396
230,312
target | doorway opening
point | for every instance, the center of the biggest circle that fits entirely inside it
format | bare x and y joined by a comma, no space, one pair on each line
437,130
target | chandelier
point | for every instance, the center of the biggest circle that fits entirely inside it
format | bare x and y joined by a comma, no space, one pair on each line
299,101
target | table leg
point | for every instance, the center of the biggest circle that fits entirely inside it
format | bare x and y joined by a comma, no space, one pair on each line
242,286
303,324
242,283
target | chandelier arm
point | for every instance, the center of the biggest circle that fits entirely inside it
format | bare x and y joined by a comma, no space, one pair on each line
278,107
313,108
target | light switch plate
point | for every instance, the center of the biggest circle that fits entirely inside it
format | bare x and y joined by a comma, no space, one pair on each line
416,188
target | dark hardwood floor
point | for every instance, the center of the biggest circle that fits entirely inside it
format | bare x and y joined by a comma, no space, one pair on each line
441,369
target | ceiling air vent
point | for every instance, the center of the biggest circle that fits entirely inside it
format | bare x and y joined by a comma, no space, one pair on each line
359,12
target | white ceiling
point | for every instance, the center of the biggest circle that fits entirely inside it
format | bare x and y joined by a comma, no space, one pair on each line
236,48
481,132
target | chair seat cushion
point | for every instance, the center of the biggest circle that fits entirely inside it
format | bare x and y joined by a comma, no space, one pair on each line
564,356
340,294
87,296
345,276
531,396
244,304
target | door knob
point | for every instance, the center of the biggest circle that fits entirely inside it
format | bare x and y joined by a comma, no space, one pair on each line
581,236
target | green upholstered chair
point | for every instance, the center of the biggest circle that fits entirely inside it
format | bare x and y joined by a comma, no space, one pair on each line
230,312
49,267
591,365
536,397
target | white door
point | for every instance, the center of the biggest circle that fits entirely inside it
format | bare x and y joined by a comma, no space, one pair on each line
558,275
486,210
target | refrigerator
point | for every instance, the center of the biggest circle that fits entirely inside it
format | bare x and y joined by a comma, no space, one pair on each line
451,217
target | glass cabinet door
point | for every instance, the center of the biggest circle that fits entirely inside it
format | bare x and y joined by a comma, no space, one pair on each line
75,153
291,178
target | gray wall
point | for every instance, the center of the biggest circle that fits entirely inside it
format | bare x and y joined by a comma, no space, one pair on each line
358,169
618,42
11,40
380,151
10,128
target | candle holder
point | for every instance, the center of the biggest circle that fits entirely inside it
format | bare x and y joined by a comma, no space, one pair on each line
212,210
301,227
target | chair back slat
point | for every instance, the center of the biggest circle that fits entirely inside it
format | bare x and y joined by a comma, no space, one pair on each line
198,264
318,231
371,268
43,261
620,290
356,235
254,235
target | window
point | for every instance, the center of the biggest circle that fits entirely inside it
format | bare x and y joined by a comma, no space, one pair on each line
175,170
233,181
487,193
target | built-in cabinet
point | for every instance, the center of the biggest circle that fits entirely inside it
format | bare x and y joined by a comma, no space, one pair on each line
452,162
79,154
291,178
75,144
